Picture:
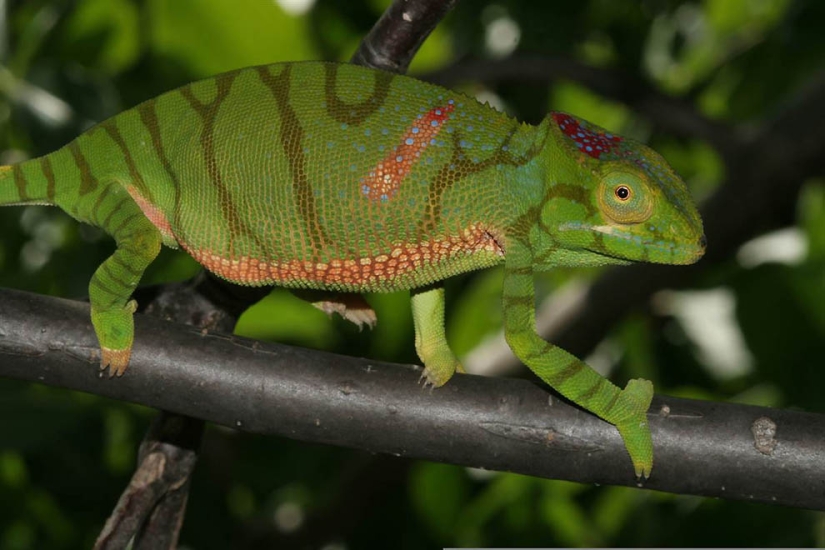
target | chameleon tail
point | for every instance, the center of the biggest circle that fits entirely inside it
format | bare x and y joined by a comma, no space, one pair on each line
30,182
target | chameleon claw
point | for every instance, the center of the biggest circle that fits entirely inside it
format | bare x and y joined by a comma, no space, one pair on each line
116,360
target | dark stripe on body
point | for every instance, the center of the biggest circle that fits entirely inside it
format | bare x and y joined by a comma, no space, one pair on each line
616,394
519,300
149,118
93,215
591,391
20,182
354,113
292,139
461,164
134,174
88,182
562,376
573,193
48,172
208,113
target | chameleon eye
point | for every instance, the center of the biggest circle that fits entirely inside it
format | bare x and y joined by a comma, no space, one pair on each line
625,198
623,193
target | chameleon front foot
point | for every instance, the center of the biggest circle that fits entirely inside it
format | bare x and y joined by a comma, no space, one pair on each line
116,360
115,331
632,424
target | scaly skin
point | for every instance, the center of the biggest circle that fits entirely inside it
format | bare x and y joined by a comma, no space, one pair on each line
340,178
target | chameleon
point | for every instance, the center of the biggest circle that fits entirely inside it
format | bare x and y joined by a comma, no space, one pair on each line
332,177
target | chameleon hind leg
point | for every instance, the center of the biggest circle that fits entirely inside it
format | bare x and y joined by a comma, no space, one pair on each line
626,409
430,339
138,243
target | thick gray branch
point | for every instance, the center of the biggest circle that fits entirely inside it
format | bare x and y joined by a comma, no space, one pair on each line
703,448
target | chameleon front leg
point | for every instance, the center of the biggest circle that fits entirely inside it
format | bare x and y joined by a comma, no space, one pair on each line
138,243
430,339
574,379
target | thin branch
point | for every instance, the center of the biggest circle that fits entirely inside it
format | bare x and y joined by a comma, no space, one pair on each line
703,448
152,506
396,37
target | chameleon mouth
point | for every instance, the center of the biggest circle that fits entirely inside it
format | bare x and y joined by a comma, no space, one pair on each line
669,253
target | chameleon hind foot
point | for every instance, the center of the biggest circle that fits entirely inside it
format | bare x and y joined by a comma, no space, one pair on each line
632,424
350,306
115,331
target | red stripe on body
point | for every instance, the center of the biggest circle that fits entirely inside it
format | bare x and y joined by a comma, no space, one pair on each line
383,181
152,212
351,273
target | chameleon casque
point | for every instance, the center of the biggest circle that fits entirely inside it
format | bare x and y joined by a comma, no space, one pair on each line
341,178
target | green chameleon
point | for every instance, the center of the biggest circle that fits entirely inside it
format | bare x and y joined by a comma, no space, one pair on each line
345,179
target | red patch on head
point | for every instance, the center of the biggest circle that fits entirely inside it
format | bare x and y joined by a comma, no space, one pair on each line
383,181
587,140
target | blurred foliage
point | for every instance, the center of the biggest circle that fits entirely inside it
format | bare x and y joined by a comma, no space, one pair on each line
65,457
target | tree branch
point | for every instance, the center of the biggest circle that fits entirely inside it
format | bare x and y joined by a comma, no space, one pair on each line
396,37
703,448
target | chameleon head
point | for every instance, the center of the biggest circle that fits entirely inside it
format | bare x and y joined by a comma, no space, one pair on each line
616,201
